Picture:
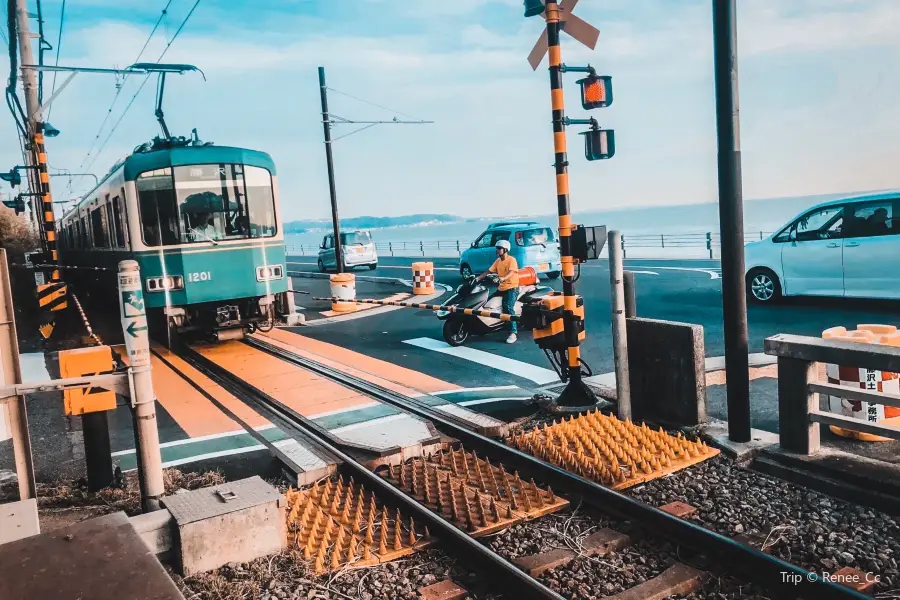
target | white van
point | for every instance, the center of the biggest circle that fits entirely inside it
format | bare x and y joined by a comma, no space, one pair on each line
357,247
848,247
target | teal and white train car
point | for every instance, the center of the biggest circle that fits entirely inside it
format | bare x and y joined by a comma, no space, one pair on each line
202,222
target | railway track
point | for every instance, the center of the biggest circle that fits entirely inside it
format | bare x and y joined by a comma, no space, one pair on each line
431,491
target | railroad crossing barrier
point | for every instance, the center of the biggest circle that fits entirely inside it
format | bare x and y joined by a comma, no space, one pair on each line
423,278
436,307
343,288
798,389
868,379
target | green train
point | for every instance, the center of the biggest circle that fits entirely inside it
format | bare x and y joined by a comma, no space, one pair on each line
203,223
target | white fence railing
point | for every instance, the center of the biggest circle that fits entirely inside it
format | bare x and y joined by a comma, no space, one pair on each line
663,245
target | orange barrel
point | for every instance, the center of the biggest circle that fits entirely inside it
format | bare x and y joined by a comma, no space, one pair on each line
527,276
343,286
868,379
423,278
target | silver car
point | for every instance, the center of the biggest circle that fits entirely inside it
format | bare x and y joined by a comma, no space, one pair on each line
357,247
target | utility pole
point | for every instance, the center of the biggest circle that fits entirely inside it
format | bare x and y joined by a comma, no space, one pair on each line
326,125
32,105
731,219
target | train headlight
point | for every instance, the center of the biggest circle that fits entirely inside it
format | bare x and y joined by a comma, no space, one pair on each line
269,273
165,284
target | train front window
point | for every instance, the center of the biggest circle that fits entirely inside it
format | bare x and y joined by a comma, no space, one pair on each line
260,202
225,202
209,203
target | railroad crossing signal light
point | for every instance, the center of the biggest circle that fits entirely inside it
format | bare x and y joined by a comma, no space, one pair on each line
596,91
533,8
12,177
17,204
599,144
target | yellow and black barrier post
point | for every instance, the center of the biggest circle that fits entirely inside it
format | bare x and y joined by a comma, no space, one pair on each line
577,243
576,393
51,291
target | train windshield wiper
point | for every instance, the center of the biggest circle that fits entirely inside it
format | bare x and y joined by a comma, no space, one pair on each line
209,239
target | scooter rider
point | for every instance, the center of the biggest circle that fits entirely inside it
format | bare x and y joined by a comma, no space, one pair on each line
506,269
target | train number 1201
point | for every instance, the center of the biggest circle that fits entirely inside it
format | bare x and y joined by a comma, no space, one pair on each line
199,276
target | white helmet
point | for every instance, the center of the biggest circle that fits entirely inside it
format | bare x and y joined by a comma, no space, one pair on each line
502,244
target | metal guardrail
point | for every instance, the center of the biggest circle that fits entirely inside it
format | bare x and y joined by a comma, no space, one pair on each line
799,415
708,241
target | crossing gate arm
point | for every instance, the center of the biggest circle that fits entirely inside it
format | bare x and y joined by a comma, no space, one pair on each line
435,307
113,382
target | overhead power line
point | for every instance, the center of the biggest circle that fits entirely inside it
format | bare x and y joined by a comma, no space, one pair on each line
62,22
143,83
331,89
112,105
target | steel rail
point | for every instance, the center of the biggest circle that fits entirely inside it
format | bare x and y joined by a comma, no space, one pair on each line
497,569
763,568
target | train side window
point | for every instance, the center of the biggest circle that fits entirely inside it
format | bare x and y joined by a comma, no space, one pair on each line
109,222
158,207
116,208
85,243
97,228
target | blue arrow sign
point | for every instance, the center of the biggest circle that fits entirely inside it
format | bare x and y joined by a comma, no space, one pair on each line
133,330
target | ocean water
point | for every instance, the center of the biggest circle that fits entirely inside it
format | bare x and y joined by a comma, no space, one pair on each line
682,227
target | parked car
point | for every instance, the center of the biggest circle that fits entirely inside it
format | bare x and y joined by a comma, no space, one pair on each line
356,246
847,247
532,245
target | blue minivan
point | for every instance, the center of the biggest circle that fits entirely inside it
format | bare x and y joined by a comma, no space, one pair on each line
531,244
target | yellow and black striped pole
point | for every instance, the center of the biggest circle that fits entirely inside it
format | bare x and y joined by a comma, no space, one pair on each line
576,392
52,292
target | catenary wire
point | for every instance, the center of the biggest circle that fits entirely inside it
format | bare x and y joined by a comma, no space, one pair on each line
143,83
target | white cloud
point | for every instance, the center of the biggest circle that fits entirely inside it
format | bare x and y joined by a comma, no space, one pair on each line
490,148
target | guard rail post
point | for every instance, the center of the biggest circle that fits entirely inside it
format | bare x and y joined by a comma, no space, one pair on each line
422,247
143,401
619,327
458,251
662,240
624,255
391,248
630,294
797,433
709,244
11,374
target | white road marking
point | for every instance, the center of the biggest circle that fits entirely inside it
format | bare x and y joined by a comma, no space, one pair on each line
525,370
194,440
643,272
199,457
489,400
489,388
712,274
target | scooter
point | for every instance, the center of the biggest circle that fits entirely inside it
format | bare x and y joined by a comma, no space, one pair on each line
473,294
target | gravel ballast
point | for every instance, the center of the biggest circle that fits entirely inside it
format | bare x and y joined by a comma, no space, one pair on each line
588,578
804,527
287,577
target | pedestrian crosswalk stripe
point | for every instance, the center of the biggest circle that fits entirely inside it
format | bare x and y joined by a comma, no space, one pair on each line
518,368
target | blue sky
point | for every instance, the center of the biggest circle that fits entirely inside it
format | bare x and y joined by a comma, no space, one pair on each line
818,98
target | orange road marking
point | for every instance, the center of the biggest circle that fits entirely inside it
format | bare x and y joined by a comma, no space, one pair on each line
388,375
